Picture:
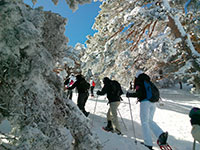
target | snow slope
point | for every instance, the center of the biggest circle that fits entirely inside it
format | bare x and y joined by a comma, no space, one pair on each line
171,115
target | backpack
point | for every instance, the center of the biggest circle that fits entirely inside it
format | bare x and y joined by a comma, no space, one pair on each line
152,92
194,114
84,85
194,111
116,88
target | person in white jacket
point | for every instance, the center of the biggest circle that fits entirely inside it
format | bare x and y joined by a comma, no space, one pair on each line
68,83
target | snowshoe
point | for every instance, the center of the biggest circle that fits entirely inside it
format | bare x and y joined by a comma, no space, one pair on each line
165,146
108,129
86,114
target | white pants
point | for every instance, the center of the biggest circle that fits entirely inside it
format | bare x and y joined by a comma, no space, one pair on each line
147,110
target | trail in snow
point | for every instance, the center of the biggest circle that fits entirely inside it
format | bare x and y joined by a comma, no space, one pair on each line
171,115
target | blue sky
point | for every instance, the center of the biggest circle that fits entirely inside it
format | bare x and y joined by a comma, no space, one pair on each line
79,23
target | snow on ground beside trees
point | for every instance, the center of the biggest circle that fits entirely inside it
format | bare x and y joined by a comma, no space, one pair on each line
172,117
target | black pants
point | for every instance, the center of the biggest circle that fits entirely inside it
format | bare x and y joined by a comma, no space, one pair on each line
82,99
92,90
69,94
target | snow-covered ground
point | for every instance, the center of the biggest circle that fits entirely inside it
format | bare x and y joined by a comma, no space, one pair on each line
171,114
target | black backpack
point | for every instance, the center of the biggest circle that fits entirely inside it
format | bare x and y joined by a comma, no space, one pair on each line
152,92
116,88
84,85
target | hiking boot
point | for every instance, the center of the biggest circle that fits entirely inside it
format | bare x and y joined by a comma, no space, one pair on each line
118,132
86,113
109,129
150,147
109,126
162,139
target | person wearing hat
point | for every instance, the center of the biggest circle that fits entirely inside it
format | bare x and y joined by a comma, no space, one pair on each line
114,102
147,110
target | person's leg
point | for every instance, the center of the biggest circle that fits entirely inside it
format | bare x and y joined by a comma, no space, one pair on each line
109,116
70,95
153,125
86,95
158,132
80,101
144,117
67,94
109,126
113,109
82,98
92,90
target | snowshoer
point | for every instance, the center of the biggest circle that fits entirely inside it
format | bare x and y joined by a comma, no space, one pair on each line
147,110
131,87
194,114
92,86
82,86
68,83
114,102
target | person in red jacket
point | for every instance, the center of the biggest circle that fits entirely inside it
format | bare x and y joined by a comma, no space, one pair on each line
92,86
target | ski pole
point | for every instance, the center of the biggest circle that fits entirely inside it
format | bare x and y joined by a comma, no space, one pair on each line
132,121
122,119
94,109
194,145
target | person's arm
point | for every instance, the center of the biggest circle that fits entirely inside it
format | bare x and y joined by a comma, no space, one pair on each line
103,91
73,86
65,84
135,94
131,94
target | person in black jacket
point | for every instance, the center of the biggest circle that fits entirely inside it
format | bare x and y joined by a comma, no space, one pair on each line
114,102
147,110
82,87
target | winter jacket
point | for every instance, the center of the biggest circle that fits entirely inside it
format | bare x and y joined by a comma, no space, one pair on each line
139,87
107,89
78,86
70,81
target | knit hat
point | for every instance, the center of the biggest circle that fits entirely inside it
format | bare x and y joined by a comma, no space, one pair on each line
139,72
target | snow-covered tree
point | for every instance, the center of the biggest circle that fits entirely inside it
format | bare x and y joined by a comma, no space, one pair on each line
34,115
151,35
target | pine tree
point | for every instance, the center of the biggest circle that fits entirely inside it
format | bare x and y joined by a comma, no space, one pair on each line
148,35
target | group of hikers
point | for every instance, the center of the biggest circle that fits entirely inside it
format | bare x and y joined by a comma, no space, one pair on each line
140,88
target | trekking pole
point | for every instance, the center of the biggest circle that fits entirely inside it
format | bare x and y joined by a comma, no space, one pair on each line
194,144
122,119
94,109
132,121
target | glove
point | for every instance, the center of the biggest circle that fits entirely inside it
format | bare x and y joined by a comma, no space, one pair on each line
98,92
127,94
